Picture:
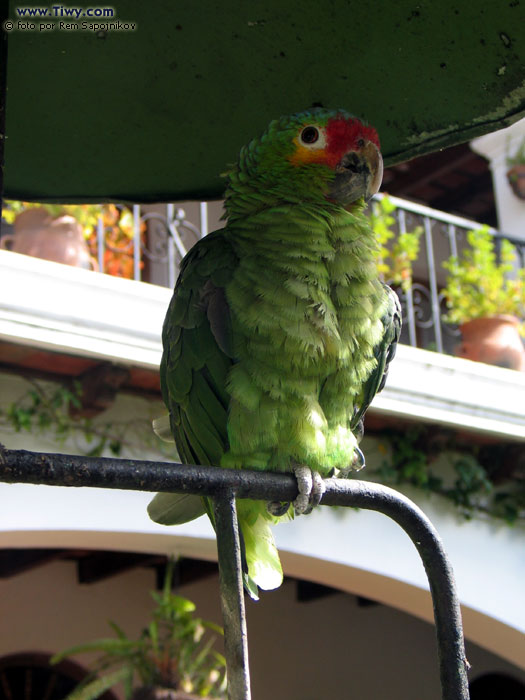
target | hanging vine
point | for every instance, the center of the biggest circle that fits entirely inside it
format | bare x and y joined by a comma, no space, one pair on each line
51,410
487,480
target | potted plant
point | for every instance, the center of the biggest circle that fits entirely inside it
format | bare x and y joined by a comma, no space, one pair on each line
485,295
46,231
173,658
516,171
69,234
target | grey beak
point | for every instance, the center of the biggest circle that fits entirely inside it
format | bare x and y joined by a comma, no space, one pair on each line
358,174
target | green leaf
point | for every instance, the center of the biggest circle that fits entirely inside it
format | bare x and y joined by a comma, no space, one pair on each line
120,647
118,630
99,686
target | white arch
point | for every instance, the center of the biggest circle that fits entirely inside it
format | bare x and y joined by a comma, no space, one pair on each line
359,552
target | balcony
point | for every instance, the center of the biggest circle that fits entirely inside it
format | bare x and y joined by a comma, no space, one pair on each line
87,318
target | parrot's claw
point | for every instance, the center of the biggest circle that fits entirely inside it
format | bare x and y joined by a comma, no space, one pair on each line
278,508
311,489
358,463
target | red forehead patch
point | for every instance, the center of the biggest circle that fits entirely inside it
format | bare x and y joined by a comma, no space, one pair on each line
343,135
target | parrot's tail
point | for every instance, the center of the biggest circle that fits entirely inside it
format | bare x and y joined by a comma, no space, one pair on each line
162,428
260,555
260,560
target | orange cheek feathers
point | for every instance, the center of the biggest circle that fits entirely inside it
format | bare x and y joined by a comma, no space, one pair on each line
302,156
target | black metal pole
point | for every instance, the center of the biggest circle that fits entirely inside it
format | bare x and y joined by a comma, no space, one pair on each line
67,470
447,613
232,596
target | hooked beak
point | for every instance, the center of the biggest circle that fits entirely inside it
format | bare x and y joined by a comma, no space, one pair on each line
358,174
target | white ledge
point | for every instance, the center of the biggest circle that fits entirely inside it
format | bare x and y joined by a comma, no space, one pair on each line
66,309
429,386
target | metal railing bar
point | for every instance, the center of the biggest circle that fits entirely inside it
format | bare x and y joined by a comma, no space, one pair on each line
101,243
447,612
172,267
443,216
452,240
434,294
203,209
137,243
21,466
232,595
409,296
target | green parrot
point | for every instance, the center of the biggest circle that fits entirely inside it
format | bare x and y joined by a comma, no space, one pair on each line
279,332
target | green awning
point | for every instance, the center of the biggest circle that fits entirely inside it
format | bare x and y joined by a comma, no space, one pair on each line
156,112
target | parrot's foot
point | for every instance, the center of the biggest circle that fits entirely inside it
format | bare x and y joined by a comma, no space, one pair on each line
357,464
311,488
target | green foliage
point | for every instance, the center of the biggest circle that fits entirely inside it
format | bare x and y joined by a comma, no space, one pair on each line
175,650
85,214
462,477
395,256
479,285
408,463
47,409
519,157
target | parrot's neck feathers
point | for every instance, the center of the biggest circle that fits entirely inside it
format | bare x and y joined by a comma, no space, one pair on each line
249,192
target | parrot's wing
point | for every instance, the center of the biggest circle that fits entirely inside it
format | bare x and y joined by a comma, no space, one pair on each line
384,353
197,356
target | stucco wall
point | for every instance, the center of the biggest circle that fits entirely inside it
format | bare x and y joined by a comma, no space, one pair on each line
330,647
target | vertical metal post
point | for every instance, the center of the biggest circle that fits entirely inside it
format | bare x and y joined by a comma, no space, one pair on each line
401,218
137,243
434,296
204,218
172,272
232,596
101,243
451,232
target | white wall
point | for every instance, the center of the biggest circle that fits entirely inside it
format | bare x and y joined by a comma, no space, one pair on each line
497,146
326,648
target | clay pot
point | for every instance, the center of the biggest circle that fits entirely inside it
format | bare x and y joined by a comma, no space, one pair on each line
516,178
495,341
59,239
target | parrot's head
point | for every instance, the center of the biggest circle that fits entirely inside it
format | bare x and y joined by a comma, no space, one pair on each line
320,153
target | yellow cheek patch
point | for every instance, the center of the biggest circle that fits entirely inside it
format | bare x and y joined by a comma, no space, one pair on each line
303,155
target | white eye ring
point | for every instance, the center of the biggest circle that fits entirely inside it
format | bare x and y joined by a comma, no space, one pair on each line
312,137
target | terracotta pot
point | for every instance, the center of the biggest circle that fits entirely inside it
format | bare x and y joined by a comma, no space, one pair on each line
516,178
59,239
495,341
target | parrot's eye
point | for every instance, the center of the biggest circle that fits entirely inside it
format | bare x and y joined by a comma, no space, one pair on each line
309,134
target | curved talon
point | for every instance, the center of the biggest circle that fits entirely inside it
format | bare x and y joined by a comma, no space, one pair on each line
277,508
358,463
